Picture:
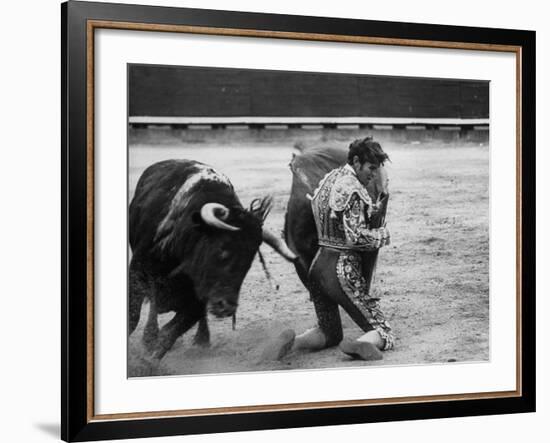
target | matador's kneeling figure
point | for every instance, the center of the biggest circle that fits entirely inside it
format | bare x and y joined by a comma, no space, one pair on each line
351,229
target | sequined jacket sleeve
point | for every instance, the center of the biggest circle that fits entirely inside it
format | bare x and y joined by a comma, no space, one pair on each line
356,227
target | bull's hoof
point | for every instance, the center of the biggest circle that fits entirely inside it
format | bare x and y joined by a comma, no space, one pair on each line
278,348
360,350
149,343
202,341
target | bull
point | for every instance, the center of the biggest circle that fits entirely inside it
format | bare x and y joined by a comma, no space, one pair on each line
308,168
192,245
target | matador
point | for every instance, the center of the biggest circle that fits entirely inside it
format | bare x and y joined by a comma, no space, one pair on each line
351,229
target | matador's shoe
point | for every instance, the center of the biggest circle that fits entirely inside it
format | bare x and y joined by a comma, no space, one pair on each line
360,350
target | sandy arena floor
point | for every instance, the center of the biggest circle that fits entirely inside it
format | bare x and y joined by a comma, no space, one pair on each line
433,280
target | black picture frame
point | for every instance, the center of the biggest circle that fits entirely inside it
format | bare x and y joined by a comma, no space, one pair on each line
78,422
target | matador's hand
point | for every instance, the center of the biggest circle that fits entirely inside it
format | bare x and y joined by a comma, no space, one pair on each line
385,236
376,238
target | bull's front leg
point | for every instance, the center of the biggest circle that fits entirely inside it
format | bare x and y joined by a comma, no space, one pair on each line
170,332
151,332
202,336
137,291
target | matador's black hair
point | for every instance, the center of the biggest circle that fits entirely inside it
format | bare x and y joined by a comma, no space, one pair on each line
368,151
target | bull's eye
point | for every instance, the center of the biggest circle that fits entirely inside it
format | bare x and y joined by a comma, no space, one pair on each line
224,255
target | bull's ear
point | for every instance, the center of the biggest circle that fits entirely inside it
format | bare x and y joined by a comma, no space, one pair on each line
260,207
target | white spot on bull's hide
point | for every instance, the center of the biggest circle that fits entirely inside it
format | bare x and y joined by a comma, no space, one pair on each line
203,173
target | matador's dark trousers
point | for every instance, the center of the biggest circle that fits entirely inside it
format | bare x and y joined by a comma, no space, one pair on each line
343,278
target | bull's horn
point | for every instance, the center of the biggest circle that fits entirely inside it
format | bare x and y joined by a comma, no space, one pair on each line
208,215
278,244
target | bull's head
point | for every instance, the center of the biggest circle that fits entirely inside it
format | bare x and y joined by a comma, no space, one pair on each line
228,241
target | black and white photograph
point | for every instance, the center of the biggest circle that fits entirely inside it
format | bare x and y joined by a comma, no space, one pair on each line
275,221
287,220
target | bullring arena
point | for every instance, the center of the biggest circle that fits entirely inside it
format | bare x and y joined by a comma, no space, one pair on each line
433,280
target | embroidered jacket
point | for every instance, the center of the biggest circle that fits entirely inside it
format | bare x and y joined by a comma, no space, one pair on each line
342,208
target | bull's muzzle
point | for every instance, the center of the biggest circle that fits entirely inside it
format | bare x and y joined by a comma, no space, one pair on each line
222,307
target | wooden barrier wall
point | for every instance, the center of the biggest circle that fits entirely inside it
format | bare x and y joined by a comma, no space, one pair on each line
165,91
